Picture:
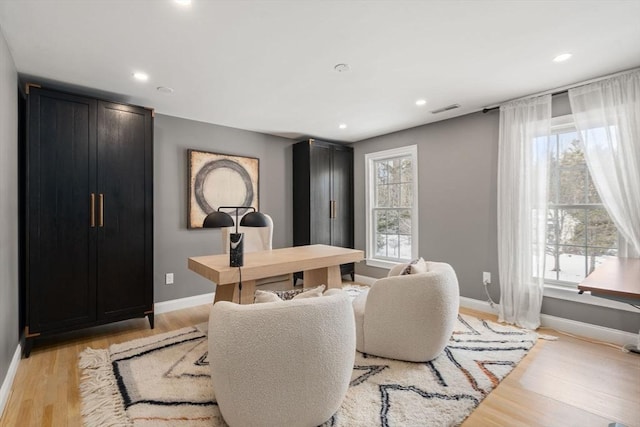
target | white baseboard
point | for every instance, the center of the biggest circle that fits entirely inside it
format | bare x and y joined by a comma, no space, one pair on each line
5,390
180,303
479,305
586,330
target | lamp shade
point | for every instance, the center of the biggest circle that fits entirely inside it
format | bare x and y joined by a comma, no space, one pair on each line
254,219
217,220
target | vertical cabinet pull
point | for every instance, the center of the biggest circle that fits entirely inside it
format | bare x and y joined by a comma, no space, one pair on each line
92,209
332,209
101,210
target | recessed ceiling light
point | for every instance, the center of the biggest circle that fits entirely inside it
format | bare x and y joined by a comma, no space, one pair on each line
421,102
164,89
183,2
343,126
561,58
143,77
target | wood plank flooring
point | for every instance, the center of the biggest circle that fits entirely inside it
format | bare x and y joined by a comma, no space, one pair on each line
568,382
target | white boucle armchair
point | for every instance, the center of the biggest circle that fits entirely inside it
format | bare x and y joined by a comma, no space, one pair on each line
285,363
408,317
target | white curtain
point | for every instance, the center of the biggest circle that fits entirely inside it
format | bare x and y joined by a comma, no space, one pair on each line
522,208
607,116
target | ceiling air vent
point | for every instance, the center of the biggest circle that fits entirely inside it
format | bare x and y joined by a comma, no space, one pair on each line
447,108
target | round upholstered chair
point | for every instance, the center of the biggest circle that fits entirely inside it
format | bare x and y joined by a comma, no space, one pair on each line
286,363
408,317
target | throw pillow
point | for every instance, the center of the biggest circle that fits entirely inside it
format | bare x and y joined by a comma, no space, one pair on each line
311,293
416,266
288,294
265,296
397,270
419,267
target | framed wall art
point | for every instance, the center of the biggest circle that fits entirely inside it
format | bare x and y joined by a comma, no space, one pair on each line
217,180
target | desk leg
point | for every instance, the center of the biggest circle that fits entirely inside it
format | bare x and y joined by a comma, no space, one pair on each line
329,276
224,292
248,291
229,292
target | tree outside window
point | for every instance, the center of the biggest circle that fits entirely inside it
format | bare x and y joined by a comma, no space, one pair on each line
580,233
391,206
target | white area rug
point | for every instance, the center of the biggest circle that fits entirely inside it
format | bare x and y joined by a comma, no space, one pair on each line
164,381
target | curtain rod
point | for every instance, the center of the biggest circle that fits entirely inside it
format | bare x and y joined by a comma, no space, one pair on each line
562,89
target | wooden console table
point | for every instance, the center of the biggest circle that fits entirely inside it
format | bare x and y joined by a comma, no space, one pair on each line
320,264
617,279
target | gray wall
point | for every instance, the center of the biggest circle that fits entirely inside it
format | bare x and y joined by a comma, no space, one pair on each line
173,242
8,208
457,207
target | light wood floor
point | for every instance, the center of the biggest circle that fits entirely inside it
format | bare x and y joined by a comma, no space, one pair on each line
568,382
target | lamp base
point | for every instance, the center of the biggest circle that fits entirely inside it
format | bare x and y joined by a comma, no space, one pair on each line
236,249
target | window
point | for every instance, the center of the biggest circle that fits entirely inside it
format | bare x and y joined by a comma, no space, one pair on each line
392,206
579,230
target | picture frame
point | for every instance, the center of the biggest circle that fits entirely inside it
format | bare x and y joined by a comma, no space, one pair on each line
216,180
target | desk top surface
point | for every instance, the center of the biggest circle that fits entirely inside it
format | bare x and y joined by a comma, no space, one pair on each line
616,277
273,262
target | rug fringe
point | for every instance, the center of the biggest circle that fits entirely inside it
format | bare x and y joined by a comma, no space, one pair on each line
101,401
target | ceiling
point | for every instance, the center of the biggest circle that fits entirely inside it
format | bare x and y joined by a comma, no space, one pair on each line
268,66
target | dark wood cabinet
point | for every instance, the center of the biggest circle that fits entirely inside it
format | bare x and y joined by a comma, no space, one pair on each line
88,206
323,195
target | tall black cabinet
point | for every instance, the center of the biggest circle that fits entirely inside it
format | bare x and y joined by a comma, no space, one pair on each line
323,195
88,206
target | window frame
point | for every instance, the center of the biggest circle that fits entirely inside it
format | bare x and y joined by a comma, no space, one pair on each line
370,187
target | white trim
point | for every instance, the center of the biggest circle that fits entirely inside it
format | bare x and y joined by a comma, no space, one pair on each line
5,390
180,303
558,292
586,330
380,263
478,305
369,158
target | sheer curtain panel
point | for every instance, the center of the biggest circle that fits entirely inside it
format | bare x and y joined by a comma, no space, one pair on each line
607,116
522,208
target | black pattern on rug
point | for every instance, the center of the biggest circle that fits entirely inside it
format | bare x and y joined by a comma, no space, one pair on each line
164,380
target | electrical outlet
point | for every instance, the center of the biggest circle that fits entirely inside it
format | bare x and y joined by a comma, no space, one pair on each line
168,279
486,277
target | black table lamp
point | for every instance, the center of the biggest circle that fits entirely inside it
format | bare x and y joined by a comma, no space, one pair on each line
218,219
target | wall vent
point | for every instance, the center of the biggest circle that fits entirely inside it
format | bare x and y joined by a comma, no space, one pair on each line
447,108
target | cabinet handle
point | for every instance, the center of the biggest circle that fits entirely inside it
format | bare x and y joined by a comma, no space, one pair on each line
101,210
334,209
92,208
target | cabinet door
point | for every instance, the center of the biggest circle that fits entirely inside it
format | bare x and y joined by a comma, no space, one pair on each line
342,194
320,194
60,248
125,245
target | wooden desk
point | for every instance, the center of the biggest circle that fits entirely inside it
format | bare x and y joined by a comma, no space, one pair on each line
617,279
320,264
